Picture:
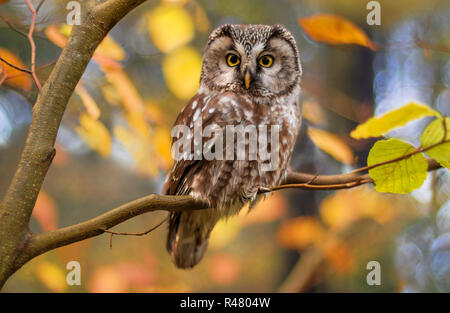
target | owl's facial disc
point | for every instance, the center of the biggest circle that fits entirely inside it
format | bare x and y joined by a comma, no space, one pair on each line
255,59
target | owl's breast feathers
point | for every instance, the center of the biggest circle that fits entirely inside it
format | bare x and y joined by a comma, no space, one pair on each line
227,184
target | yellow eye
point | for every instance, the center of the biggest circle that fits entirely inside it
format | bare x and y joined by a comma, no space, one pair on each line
233,59
266,61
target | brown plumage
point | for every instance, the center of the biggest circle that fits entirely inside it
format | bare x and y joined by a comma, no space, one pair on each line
224,100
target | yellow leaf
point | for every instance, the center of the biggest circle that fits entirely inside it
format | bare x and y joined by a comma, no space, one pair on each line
57,35
111,95
377,126
300,232
335,30
139,149
162,143
138,124
94,134
224,233
332,144
109,48
170,27
344,207
88,102
51,276
433,134
181,70
402,176
312,111
154,113
65,29
128,93
14,77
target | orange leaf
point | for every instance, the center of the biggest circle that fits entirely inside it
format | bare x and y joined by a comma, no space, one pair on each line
224,268
54,35
267,210
312,111
45,212
347,206
18,78
339,256
88,101
300,232
107,279
137,275
108,51
335,30
131,99
332,144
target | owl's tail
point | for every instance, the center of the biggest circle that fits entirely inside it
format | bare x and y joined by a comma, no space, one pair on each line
187,239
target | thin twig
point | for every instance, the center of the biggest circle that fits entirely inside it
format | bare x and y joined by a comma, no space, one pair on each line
39,6
14,66
38,68
14,28
33,45
324,187
403,157
112,233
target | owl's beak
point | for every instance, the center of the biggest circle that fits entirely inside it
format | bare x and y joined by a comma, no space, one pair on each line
247,79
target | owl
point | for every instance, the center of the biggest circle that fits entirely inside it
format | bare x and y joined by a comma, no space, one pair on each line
250,83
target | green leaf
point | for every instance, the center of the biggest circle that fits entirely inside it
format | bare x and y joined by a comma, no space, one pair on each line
402,176
434,133
377,126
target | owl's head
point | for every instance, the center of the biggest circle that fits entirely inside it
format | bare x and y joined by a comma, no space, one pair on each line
261,60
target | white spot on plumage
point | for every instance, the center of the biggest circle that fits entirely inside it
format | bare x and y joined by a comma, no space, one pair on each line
196,115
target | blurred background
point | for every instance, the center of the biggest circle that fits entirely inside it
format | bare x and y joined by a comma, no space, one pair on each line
114,146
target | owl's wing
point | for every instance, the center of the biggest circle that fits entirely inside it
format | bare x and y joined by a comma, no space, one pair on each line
183,170
222,110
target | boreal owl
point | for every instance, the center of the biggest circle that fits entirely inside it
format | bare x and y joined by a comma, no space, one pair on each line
249,89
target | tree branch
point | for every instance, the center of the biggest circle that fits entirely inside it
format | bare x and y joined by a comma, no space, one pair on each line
41,243
44,242
18,203
330,182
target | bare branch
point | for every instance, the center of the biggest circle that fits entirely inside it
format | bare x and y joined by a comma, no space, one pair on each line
21,195
40,243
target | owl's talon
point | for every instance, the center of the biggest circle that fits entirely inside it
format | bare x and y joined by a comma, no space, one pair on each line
264,189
